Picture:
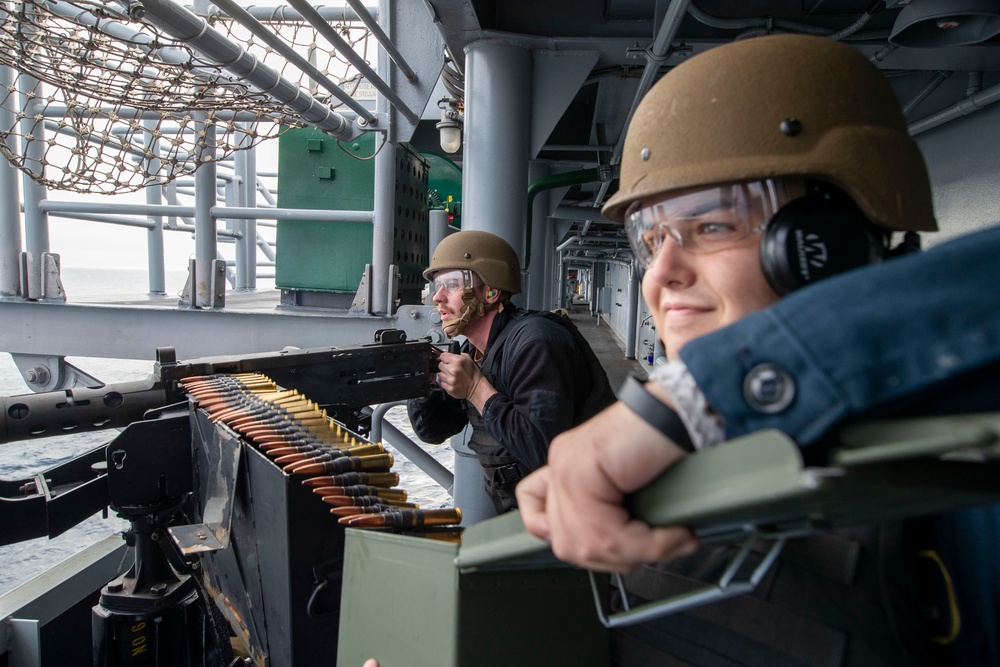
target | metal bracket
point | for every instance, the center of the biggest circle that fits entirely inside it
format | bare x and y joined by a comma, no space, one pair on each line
681,51
40,277
52,373
215,295
363,298
217,298
393,287
218,450
727,586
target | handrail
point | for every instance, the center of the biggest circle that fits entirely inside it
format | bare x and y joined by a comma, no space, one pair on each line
236,212
384,430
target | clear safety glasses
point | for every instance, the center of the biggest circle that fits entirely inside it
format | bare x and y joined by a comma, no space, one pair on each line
451,281
703,221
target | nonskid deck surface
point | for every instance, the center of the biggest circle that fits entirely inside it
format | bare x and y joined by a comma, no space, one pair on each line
259,300
610,349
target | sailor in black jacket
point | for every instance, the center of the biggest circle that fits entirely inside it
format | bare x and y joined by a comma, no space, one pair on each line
520,379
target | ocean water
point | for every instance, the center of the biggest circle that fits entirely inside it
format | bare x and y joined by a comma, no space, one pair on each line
19,460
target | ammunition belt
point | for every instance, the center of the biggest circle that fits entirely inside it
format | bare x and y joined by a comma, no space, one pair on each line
351,475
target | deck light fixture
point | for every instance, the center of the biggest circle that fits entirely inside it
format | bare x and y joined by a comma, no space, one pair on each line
450,125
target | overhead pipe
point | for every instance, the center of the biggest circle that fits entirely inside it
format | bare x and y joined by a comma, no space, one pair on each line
188,27
321,215
262,33
587,214
937,78
969,105
569,260
284,14
568,242
601,247
655,55
383,39
119,31
766,24
330,34
975,83
562,180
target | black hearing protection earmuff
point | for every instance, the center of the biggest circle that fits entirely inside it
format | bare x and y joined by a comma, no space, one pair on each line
817,236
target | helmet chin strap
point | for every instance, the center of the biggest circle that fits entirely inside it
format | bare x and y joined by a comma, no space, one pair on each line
473,306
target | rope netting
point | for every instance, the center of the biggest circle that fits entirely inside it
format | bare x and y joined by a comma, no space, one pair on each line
96,102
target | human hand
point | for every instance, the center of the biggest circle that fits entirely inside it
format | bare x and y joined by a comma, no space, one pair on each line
459,375
370,662
576,502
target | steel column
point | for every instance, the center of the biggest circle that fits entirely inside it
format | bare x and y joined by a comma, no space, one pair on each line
539,241
250,194
438,229
385,177
469,492
497,122
36,223
240,199
154,197
10,216
205,238
550,281
384,191
634,294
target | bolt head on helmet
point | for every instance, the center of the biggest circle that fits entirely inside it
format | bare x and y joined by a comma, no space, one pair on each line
782,105
487,255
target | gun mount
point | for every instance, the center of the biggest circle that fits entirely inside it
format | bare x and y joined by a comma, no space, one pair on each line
170,470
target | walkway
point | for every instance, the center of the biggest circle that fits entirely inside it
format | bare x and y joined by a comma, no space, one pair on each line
607,346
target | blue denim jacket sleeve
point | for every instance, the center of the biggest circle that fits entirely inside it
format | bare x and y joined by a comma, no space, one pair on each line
856,342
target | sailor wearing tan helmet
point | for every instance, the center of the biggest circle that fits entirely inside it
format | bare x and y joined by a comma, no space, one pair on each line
752,170
521,377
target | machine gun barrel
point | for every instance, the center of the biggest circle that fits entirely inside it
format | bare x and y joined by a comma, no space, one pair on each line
79,409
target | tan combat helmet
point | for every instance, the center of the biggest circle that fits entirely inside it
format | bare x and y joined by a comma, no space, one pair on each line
782,105
488,255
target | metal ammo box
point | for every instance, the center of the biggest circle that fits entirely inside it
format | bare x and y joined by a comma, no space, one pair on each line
498,598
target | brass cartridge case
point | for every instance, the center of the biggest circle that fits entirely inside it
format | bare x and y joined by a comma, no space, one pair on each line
380,479
405,519
375,462
360,490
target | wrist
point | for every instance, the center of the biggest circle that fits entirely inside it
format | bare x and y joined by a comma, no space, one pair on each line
480,393
655,412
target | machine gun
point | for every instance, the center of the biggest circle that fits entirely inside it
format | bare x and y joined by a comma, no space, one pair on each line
169,472
342,380
338,378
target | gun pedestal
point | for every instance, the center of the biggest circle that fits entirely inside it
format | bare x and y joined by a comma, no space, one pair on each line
151,615
154,613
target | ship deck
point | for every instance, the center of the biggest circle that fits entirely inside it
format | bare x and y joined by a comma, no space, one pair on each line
610,349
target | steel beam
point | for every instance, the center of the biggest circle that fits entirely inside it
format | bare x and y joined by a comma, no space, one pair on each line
124,332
